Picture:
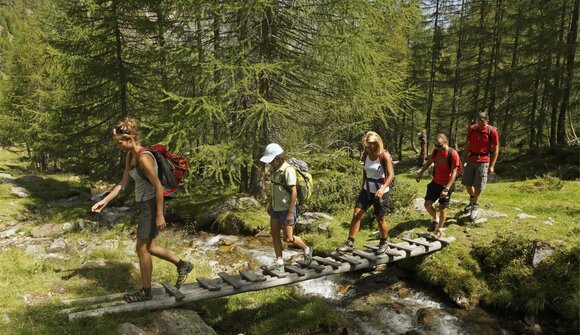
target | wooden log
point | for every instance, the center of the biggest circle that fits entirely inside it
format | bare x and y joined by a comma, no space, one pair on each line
300,272
346,258
364,254
172,290
206,283
335,265
230,280
252,276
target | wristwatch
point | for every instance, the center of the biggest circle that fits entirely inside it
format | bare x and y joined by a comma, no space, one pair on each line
445,189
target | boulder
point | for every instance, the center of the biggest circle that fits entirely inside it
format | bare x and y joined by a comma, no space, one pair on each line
182,322
129,329
20,192
428,318
541,252
46,230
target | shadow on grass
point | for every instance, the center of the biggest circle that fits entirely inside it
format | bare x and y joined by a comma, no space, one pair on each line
46,319
47,189
112,277
287,314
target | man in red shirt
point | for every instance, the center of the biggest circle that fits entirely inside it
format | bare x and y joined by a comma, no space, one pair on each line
446,162
480,153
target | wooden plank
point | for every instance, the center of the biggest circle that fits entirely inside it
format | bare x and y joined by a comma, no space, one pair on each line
174,291
295,269
230,280
389,252
346,258
206,283
320,260
364,254
313,265
402,247
252,276
421,243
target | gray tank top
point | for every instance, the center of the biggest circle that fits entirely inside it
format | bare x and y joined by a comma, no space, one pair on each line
144,190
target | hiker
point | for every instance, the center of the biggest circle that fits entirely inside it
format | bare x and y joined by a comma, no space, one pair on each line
480,154
282,206
446,162
151,207
378,174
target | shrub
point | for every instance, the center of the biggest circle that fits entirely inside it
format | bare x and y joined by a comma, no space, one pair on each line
402,196
333,191
542,184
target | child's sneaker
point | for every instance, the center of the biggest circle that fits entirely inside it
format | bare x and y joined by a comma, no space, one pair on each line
278,265
182,273
138,296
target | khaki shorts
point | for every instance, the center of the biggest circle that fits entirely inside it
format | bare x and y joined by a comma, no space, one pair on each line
475,174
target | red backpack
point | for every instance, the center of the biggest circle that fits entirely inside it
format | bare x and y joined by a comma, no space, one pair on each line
170,167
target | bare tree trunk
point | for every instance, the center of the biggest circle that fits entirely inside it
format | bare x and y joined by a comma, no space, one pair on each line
479,55
570,54
532,121
122,71
514,70
557,92
402,135
457,81
435,51
412,137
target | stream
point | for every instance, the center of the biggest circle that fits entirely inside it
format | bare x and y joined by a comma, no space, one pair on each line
384,301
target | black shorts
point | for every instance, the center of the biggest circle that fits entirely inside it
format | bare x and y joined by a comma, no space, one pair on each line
147,213
380,206
434,191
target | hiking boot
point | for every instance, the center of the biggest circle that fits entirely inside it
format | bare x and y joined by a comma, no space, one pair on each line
346,247
474,212
308,255
432,226
137,296
278,265
383,247
467,208
182,273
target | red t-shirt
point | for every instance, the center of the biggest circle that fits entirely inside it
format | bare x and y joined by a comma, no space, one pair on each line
442,171
481,142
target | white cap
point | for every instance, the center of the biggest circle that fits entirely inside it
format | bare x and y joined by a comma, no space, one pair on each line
272,150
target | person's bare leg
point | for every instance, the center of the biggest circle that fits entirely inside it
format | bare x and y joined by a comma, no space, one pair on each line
355,222
290,238
163,253
276,241
145,262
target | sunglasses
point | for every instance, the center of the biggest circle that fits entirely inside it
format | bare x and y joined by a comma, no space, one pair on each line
119,131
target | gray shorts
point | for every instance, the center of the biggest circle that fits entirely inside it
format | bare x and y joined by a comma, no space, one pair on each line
147,212
475,174
281,217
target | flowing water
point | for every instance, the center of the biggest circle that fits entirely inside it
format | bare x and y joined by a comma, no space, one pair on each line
378,302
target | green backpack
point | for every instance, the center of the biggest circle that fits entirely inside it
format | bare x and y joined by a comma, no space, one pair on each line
304,180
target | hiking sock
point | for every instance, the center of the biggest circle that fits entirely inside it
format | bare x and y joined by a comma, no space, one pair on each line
383,241
351,239
471,200
180,264
147,291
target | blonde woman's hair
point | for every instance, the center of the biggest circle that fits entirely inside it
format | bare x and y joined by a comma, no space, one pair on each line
127,128
371,136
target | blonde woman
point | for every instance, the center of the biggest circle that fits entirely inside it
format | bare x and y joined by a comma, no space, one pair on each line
149,196
378,174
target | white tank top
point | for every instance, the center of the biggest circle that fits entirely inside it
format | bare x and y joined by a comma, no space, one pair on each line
374,170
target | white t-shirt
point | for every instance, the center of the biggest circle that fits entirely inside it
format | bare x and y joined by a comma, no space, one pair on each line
374,170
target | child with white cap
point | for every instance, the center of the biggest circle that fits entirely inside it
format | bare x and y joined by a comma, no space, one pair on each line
282,206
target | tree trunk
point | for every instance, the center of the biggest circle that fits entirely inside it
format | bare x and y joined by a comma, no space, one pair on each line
457,81
570,54
423,143
481,39
434,53
513,73
557,91
122,71
494,62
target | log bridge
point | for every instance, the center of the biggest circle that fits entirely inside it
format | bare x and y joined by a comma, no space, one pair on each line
168,296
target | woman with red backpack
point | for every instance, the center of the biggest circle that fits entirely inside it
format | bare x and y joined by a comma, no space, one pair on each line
150,201
378,175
